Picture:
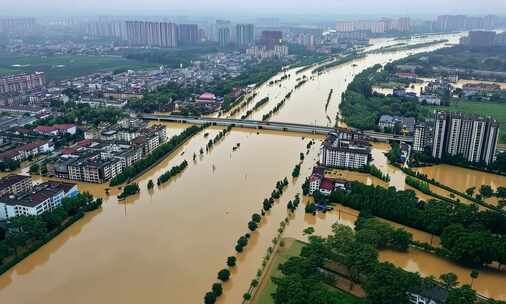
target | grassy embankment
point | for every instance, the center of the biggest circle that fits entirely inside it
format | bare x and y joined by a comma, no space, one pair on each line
63,67
267,287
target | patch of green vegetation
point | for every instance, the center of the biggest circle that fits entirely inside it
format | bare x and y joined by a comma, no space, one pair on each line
496,110
265,292
284,253
63,67
6,71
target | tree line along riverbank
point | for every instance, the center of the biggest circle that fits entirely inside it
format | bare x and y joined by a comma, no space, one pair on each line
25,234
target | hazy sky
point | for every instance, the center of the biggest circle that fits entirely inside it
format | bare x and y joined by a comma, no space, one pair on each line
252,7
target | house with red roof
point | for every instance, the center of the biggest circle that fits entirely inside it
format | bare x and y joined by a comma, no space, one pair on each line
25,151
326,186
59,129
207,97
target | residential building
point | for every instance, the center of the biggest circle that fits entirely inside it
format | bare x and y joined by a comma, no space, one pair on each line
42,198
95,169
472,137
245,35
18,26
430,99
279,51
434,295
21,83
324,183
405,124
59,129
480,39
26,151
345,26
14,183
269,39
187,34
342,153
421,138
224,36
158,34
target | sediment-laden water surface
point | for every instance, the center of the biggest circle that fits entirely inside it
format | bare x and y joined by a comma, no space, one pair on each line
167,245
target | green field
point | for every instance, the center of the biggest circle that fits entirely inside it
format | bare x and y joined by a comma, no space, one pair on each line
292,248
64,67
496,110
268,287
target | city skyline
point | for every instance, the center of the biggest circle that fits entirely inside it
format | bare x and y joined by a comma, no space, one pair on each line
324,8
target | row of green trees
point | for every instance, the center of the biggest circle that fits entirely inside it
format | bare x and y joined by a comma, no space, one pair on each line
172,172
300,83
468,194
376,172
277,107
328,99
418,184
218,137
361,107
249,99
155,156
296,171
224,274
281,79
407,47
435,217
303,280
129,190
337,62
27,233
291,206
255,107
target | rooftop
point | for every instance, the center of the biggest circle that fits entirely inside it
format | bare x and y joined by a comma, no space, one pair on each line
12,179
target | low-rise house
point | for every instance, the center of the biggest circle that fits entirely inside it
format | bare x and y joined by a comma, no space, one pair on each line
60,129
318,181
25,151
430,99
43,198
399,92
471,89
406,124
14,183
407,75
434,295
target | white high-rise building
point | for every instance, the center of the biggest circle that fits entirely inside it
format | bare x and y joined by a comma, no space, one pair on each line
338,152
472,137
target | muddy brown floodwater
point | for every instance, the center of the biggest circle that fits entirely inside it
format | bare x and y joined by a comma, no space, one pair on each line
167,245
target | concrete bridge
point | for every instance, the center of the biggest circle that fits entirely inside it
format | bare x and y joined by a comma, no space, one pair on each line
267,125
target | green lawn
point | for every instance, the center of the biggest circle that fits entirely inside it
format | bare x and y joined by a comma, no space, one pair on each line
497,110
268,287
63,67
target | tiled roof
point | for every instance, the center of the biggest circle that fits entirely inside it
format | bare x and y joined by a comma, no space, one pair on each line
11,179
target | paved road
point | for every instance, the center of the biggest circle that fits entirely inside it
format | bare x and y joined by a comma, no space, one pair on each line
268,125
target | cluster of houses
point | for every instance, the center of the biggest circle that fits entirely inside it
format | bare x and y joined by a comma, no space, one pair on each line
19,143
107,152
320,180
19,196
343,149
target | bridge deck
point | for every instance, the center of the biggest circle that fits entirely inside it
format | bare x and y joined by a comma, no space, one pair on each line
268,125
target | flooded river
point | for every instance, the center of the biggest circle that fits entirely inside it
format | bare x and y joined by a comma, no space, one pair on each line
167,245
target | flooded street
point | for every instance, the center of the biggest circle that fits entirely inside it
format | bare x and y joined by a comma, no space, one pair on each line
170,243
